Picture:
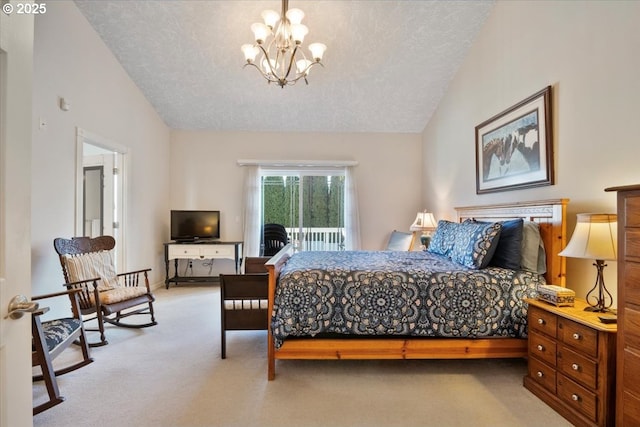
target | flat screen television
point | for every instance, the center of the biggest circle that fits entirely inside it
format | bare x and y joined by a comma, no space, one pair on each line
194,225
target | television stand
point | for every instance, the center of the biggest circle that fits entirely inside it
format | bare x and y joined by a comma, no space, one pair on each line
199,249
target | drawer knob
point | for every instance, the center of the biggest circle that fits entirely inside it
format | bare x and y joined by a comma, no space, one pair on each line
540,374
540,347
576,336
575,397
541,321
575,367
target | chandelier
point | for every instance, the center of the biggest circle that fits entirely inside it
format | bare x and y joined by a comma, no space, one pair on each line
279,47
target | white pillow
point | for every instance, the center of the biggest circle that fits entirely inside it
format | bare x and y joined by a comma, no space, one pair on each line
91,265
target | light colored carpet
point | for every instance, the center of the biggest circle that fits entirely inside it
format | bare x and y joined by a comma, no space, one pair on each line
172,375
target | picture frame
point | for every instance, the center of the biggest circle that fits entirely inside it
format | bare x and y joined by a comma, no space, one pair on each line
514,149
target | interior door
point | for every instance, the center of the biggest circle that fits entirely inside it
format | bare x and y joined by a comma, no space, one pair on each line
16,65
98,193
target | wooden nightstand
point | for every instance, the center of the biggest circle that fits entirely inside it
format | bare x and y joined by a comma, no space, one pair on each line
572,360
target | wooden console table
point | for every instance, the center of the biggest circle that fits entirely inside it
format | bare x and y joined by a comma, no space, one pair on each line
199,249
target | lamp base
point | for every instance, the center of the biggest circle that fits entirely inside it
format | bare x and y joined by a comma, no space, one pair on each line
598,309
604,300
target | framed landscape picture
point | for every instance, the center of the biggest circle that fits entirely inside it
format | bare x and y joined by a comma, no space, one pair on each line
514,149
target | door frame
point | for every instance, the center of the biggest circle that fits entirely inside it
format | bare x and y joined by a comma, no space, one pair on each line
85,137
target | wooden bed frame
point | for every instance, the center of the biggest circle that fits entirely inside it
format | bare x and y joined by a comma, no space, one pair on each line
550,214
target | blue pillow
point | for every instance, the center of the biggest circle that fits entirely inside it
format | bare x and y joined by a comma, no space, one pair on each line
509,249
443,238
475,243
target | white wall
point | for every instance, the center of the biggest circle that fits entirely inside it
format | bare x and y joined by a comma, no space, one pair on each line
205,174
588,52
71,61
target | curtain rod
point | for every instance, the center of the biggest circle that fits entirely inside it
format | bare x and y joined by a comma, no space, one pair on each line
298,163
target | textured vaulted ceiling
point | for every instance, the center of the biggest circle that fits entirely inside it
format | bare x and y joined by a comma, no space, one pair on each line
387,64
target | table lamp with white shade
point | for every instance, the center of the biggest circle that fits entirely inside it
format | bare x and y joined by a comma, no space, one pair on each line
595,237
424,223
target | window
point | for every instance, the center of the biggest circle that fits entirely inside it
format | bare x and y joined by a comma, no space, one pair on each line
310,203
316,201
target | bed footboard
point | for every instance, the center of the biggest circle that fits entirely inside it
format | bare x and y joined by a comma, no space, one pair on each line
274,266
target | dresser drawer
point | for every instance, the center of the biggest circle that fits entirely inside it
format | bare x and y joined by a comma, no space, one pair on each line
577,397
542,374
578,367
632,244
542,321
631,415
631,282
184,251
578,336
631,211
542,347
217,251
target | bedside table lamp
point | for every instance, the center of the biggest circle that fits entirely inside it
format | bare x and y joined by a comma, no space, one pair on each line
595,237
424,223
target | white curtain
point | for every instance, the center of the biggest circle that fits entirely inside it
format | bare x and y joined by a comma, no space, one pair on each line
252,207
351,213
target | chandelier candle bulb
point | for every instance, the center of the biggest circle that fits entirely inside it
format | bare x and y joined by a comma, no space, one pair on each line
295,16
317,50
271,18
260,32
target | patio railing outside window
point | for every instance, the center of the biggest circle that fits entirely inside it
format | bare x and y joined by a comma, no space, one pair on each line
317,238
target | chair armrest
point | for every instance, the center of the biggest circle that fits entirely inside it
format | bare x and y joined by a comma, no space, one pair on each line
74,295
134,272
132,278
55,294
82,283
40,311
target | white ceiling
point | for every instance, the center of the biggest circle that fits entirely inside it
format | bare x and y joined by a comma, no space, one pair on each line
387,64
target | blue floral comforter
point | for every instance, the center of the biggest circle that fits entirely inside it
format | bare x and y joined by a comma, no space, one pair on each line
398,293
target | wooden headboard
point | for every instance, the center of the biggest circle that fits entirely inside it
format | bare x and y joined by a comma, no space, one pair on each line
549,214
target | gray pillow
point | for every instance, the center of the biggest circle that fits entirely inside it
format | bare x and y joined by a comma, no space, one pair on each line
534,257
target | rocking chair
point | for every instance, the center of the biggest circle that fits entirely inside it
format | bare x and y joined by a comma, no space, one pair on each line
87,265
52,337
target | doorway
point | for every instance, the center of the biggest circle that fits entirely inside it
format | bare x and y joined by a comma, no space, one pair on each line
100,190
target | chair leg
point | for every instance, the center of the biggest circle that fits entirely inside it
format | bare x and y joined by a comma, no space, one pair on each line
103,339
153,316
48,374
223,344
